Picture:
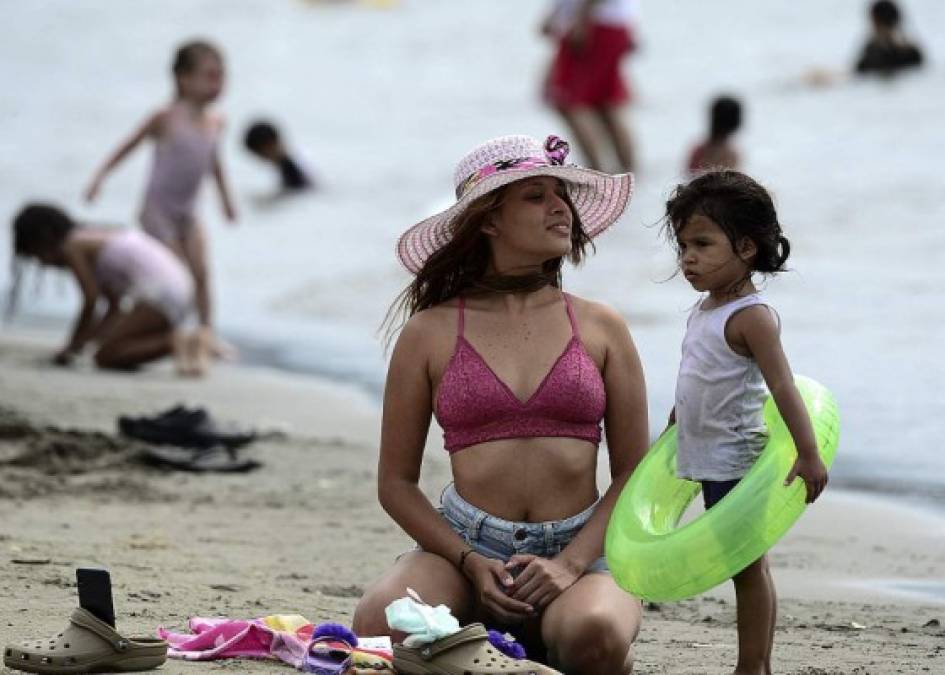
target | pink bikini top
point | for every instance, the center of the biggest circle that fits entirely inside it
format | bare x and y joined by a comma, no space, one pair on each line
474,406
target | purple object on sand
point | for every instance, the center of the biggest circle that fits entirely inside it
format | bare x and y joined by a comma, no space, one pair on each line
506,645
329,652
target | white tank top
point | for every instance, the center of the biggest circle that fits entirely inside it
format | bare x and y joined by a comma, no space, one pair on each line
719,399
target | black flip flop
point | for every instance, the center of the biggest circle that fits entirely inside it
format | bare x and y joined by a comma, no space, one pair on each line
217,459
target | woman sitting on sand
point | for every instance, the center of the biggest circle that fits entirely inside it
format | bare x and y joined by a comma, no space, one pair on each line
519,375
149,291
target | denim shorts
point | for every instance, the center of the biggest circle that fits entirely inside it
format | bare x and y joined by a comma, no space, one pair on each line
501,539
714,490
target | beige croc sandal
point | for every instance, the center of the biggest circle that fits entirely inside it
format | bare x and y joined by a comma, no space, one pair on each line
467,652
87,645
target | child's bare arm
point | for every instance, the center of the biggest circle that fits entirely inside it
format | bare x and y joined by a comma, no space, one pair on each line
225,199
757,329
85,322
151,127
108,320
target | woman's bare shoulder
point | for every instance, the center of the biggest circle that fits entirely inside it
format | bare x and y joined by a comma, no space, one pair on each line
429,328
600,315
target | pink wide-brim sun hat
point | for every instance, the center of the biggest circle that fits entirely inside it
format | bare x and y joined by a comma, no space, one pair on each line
599,198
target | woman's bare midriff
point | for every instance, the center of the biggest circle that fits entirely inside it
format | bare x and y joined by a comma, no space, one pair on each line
528,479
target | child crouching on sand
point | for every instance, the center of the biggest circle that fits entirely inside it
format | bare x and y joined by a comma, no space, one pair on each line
726,230
149,292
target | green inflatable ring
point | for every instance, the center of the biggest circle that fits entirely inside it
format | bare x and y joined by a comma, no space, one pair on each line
652,559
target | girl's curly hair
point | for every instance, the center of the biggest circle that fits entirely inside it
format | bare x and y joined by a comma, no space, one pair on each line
740,206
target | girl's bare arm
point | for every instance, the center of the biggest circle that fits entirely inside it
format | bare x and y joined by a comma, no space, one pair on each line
226,199
151,127
84,324
757,329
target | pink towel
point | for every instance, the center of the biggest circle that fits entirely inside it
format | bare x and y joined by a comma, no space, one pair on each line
222,638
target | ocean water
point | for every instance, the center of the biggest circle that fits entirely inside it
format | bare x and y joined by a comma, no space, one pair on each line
382,102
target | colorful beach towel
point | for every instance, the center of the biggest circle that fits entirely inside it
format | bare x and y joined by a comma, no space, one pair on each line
285,637
280,636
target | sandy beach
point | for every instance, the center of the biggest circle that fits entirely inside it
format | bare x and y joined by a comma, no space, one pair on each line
379,100
859,579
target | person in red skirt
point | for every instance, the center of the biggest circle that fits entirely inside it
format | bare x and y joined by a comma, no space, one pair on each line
584,83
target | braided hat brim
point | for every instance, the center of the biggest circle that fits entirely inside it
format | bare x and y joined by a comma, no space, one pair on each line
599,199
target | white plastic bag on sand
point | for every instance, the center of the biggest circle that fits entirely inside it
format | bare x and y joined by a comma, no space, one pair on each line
422,623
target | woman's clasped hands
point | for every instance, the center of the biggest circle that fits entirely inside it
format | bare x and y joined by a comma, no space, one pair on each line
515,597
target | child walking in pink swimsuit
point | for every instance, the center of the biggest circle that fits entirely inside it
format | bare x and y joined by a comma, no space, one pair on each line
185,135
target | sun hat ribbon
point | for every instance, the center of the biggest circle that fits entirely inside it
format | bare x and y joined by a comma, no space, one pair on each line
556,150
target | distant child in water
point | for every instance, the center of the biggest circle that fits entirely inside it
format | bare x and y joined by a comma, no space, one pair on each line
264,141
726,231
717,151
888,49
185,134
148,291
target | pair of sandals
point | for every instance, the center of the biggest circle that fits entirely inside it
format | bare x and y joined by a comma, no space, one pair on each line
87,645
185,428
188,439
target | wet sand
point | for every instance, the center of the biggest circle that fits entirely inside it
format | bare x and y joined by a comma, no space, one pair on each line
860,579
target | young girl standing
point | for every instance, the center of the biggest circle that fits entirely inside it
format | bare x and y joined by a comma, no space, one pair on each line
185,135
726,230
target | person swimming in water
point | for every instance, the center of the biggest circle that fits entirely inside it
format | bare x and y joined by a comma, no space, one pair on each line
888,50
264,141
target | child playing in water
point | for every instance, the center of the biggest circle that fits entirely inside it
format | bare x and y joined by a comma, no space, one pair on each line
726,230
887,50
264,141
126,267
717,151
185,135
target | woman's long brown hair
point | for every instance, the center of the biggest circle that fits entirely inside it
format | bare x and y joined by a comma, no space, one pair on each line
459,267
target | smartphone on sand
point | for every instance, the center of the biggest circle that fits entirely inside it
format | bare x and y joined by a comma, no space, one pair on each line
95,593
